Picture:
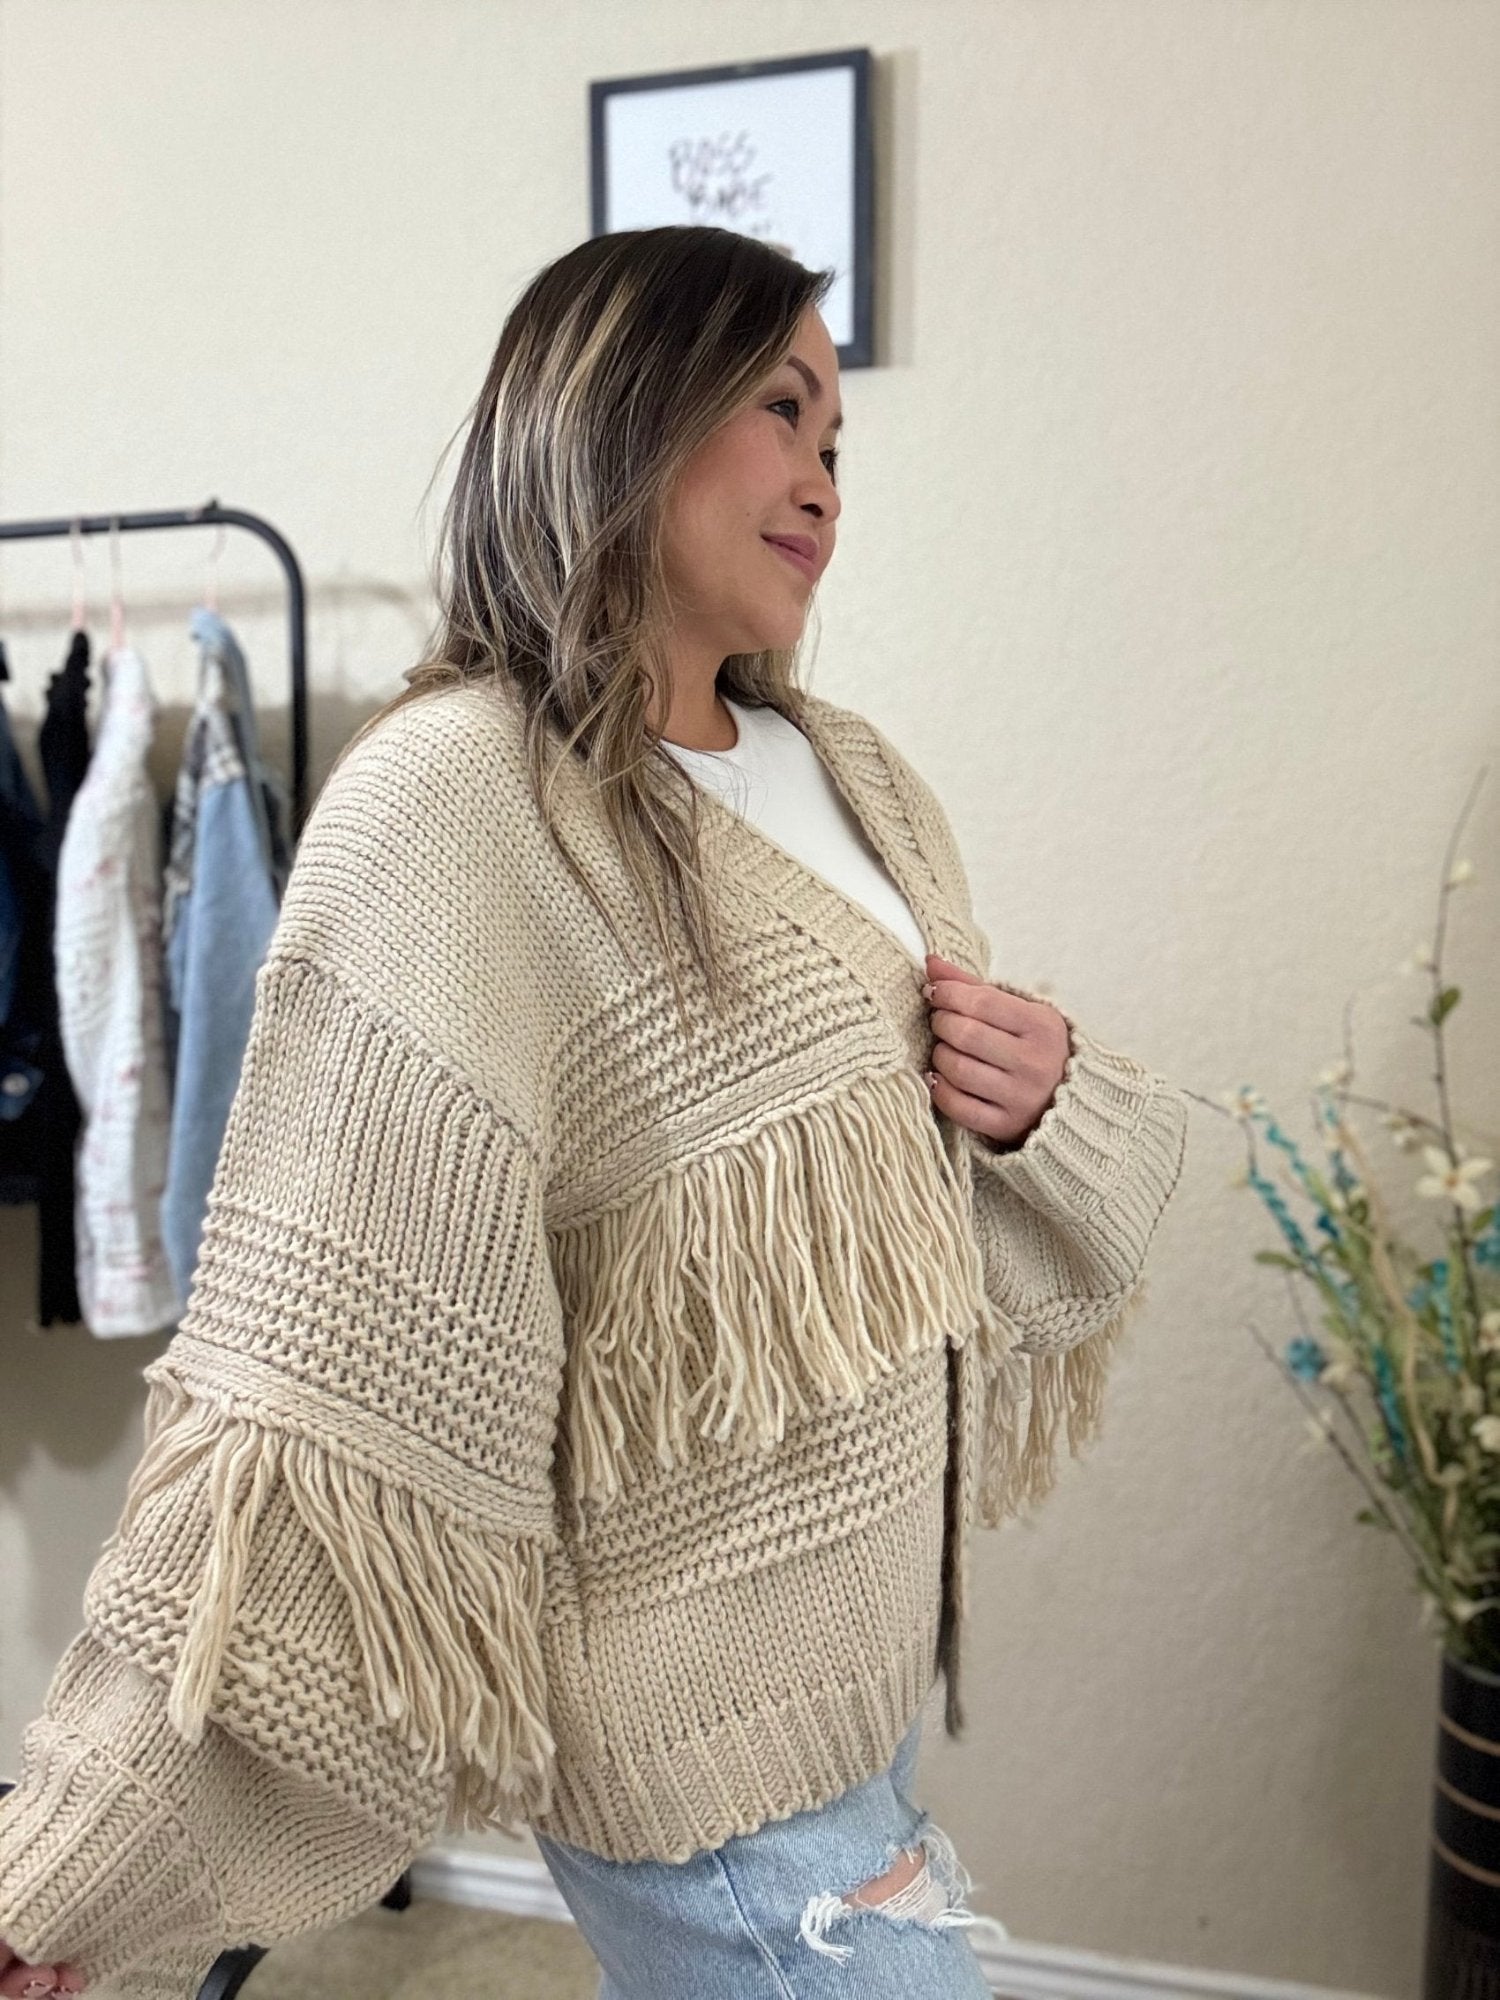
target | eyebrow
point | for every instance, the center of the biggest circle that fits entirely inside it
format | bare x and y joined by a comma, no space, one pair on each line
815,385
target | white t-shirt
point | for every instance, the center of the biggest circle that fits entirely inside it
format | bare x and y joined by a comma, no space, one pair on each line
774,777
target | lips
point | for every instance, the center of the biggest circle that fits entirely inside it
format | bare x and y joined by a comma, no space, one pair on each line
799,549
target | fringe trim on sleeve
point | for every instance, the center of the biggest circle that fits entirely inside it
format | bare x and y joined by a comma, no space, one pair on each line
828,1247
447,1617
1028,1400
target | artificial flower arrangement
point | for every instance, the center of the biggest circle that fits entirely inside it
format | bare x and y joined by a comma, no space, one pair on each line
1408,1354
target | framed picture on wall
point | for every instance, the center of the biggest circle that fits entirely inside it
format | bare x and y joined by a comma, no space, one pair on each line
777,150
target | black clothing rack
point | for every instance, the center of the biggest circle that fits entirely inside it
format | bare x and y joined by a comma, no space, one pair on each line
211,514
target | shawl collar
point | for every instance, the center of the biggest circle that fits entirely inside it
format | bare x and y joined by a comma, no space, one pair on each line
759,868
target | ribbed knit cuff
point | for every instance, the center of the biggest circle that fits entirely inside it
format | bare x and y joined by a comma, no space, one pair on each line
95,1870
1105,1156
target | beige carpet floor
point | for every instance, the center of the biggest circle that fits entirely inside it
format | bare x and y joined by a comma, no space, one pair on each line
428,1951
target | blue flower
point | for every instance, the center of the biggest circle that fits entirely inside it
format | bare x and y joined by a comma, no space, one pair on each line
1271,1195
1386,1396
1305,1358
1277,1137
1443,1306
1274,1200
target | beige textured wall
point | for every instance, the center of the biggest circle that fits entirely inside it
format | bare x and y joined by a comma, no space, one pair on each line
1167,553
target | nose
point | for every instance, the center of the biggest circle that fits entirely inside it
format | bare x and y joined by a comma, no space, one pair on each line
821,496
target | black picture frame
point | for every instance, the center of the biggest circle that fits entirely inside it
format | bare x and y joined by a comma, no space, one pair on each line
655,161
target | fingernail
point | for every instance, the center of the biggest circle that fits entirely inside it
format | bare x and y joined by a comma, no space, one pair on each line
926,992
931,1078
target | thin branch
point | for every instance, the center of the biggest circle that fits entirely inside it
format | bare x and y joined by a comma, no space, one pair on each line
1394,1520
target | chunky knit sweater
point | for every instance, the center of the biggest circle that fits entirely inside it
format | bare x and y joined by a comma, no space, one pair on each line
579,1416
773,776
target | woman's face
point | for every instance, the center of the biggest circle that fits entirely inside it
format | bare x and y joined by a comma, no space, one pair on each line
765,473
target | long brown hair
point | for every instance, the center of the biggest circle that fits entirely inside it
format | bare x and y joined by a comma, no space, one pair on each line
617,361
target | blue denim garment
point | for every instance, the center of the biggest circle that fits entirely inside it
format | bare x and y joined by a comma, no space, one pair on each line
225,877
762,1917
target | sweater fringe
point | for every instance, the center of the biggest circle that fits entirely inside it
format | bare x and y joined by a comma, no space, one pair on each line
828,1247
1029,1398
447,1616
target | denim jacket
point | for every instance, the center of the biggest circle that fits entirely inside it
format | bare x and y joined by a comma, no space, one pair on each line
226,870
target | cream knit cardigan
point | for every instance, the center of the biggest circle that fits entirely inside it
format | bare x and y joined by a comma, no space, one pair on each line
575,1422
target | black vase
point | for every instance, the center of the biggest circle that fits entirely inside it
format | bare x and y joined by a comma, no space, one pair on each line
1463,1897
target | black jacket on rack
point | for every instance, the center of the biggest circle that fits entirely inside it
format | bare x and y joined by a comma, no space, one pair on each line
63,740
40,1118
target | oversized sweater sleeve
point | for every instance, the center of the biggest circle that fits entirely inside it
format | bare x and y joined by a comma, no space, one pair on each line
141,1857
1063,1222
312,1641
1065,1218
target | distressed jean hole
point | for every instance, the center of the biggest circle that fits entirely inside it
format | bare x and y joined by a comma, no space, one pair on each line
932,1896
902,1871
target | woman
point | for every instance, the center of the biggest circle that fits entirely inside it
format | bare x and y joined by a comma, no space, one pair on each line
602,1336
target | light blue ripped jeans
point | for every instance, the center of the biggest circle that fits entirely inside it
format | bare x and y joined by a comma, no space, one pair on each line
763,1916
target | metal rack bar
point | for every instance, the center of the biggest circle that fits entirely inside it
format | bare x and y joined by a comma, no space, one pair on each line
211,514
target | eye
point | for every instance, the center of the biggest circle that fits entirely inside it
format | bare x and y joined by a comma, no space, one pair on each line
830,457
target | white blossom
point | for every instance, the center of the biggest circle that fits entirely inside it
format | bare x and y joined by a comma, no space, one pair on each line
1403,1132
1244,1102
1452,1182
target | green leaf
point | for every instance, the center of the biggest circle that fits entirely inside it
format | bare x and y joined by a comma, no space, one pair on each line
1443,1005
1277,1257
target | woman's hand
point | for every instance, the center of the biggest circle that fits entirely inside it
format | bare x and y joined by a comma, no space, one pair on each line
996,1059
20,1981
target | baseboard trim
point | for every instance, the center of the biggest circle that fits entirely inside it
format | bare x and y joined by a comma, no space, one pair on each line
520,1887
